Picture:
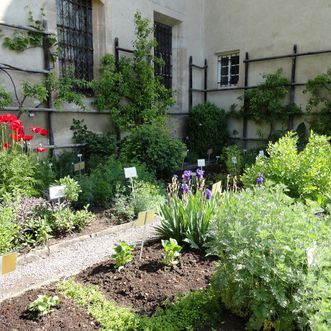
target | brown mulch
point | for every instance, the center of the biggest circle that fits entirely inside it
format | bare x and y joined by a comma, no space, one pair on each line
67,316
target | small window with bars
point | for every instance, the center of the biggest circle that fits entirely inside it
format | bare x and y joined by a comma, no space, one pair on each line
74,28
163,51
228,69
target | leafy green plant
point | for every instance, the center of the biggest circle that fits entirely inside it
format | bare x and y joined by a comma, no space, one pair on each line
306,173
72,188
320,102
43,305
233,158
266,102
172,252
154,146
101,145
206,129
129,89
261,237
8,229
122,254
5,98
187,215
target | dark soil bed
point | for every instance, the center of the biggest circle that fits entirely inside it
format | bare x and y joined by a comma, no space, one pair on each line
145,284
13,315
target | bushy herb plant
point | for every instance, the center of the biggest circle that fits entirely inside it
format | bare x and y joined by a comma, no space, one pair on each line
154,146
122,254
206,129
233,159
306,173
262,237
72,188
8,229
43,305
172,252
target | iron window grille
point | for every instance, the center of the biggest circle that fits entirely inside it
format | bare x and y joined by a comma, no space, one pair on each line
163,51
74,28
228,70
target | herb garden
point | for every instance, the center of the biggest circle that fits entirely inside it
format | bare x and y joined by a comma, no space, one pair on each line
242,241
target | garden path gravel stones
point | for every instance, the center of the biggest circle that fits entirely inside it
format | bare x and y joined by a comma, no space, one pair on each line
68,260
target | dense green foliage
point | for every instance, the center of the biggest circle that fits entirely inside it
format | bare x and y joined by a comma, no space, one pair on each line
319,90
262,239
8,229
72,188
130,90
306,173
233,158
206,129
98,145
187,312
154,146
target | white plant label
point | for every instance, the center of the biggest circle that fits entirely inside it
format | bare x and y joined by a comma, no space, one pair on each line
79,166
261,153
201,163
130,172
56,192
234,160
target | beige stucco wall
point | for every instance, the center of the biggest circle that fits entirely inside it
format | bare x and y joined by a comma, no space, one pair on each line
201,28
266,28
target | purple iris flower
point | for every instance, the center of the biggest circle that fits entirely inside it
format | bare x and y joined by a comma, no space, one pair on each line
200,173
208,193
185,188
260,179
187,174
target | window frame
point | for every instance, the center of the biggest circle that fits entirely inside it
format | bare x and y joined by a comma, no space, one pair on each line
229,56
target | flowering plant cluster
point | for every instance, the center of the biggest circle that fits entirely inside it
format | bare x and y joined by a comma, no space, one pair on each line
189,211
17,134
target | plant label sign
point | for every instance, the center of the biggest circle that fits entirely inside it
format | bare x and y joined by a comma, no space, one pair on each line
234,160
201,163
8,263
130,172
79,166
261,153
145,217
216,188
57,192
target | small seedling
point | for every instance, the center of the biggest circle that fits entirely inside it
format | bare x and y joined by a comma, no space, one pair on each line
43,305
172,252
122,254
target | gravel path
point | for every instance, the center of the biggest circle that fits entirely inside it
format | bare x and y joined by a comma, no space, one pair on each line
67,261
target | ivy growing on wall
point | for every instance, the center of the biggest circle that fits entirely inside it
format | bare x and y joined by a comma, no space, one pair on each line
129,89
319,90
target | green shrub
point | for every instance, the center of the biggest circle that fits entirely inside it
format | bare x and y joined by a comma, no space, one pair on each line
146,196
154,146
171,252
97,144
187,215
261,237
206,129
8,229
72,188
233,159
306,173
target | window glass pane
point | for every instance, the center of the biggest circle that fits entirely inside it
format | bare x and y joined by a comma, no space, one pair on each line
224,70
234,80
234,70
235,59
224,61
224,80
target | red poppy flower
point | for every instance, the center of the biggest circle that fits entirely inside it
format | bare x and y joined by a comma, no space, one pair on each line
7,118
40,149
27,138
6,146
35,130
17,126
43,132
16,137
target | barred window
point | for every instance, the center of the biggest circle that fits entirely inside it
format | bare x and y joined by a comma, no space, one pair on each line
228,69
74,27
163,50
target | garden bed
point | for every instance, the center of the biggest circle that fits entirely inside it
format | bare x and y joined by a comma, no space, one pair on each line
142,285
